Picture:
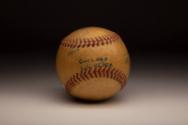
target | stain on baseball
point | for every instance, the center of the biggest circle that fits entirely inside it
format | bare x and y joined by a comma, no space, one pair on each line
93,63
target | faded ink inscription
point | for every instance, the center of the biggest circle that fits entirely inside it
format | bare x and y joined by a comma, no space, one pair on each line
94,62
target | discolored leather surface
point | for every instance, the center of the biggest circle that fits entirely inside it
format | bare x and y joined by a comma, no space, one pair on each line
93,58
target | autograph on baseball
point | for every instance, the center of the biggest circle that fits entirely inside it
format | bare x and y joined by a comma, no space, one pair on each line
94,62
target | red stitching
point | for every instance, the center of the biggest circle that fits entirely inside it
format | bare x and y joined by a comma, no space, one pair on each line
103,72
85,74
74,78
115,75
112,73
101,39
90,72
97,41
109,40
64,44
82,76
72,43
70,84
78,77
119,78
108,72
106,40
93,42
99,71
96,72
90,42
84,43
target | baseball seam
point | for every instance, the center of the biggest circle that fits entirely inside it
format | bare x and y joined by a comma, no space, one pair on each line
90,42
97,72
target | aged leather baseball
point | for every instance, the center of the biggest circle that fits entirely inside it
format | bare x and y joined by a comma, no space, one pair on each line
93,63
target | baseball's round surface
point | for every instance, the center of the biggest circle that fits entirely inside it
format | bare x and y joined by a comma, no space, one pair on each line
93,63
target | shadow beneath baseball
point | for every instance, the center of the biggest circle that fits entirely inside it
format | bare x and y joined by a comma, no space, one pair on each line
83,101
63,97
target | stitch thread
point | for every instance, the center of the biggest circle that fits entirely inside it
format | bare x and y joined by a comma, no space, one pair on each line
98,72
90,42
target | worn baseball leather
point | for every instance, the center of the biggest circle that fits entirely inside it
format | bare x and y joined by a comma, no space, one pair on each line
93,63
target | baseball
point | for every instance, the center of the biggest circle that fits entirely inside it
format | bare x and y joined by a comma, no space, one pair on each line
93,63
